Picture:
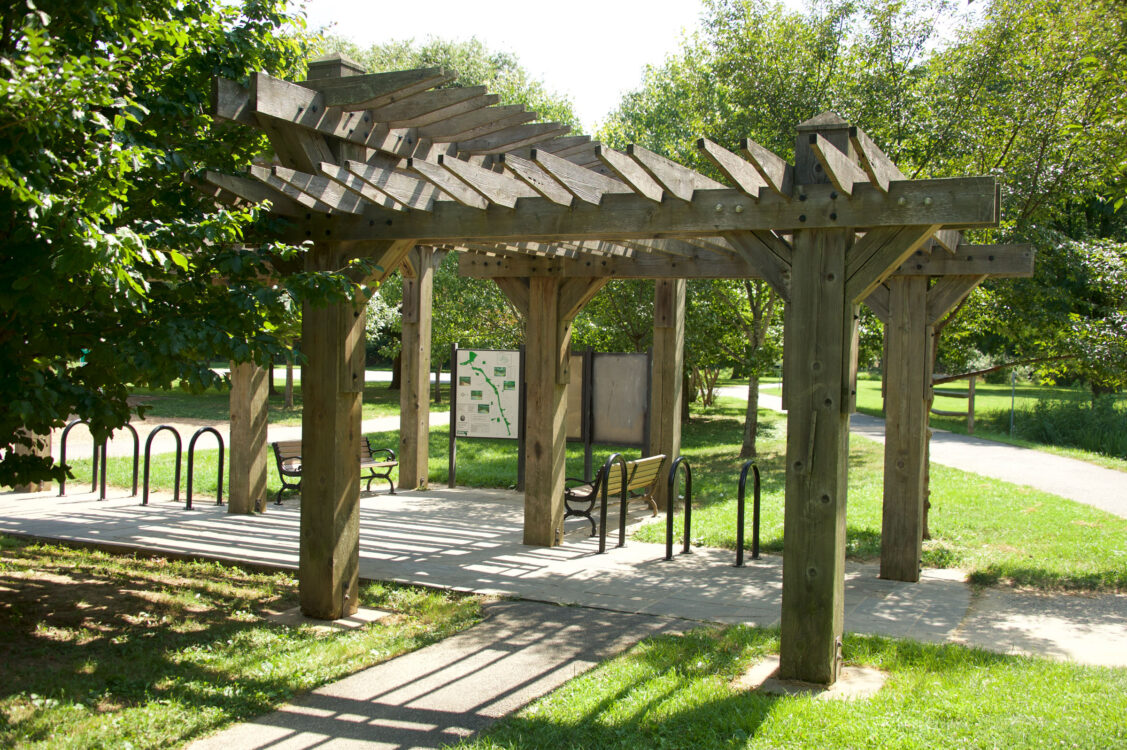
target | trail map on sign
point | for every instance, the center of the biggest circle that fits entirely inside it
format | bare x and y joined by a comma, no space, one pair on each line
488,394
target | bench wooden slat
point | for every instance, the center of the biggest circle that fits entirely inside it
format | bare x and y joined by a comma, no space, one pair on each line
641,479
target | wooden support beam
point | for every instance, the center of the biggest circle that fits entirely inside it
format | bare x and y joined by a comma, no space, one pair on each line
448,183
587,186
879,253
230,101
324,191
477,123
818,352
946,295
493,186
843,173
332,388
332,341
255,191
353,93
290,110
677,180
630,172
273,181
741,172
880,169
429,107
576,293
777,173
667,369
949,240
403,186
517,292
414,384
906,405
512,138
817,348
768,254
246,485
706,266
354,183
961,202
996,261
537,178
878,301
548,345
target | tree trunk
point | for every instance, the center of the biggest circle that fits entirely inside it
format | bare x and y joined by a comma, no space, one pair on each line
396,372
273,390
687,395
289,385
751,417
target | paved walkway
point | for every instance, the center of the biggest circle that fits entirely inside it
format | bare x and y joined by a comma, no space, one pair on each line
471,540
1067,477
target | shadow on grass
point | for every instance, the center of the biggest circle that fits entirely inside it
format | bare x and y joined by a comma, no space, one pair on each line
84,633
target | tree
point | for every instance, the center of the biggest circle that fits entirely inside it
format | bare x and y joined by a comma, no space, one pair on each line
112,257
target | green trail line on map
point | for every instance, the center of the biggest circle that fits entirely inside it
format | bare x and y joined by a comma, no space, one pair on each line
497,393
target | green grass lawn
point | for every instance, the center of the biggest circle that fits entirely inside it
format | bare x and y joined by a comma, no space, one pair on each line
992,413
214,405
678,692
112,651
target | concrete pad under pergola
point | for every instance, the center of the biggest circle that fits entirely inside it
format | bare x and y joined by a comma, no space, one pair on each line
388,168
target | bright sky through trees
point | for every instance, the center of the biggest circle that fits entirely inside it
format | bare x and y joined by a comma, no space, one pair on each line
589,50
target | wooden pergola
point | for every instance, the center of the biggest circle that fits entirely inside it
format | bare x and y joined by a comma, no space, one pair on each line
391,168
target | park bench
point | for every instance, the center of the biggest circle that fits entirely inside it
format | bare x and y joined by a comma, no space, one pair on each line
378,462
641,479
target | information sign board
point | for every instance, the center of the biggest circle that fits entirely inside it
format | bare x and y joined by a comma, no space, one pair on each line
488,393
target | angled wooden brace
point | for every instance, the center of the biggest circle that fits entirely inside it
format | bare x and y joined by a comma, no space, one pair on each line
878,254
947,293
766,253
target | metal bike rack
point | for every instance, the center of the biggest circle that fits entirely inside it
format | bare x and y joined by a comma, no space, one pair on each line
670,507
614,458
148,453
63,457
740,503
191,462
102,453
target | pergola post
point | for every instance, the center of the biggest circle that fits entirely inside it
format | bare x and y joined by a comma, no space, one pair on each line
247,475
667,368
907,382
414,388
332,386
913,311
818,351
548,304
547,372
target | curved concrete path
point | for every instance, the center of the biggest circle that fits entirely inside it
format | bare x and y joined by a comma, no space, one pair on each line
1081,481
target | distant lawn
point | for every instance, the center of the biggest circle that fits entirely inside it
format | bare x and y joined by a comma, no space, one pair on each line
998,531
992,413
214,405
112,651
678,692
